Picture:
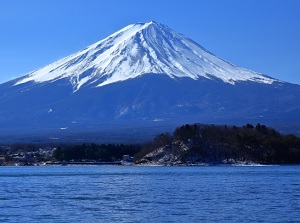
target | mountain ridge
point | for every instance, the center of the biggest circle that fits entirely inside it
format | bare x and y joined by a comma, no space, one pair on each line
138,49
95,90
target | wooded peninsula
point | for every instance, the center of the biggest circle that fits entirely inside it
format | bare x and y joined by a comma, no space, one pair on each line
190,144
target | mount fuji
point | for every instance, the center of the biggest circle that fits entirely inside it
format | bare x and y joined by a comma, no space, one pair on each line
143,77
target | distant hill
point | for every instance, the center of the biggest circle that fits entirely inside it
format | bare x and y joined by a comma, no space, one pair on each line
211,144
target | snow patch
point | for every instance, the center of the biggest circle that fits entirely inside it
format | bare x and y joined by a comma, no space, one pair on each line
64,128
139,49
158,120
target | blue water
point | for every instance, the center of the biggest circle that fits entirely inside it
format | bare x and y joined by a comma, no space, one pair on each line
150,194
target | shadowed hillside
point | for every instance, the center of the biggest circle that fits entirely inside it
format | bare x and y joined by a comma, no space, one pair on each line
196,144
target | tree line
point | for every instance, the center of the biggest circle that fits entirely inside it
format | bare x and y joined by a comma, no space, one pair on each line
214,143
92,151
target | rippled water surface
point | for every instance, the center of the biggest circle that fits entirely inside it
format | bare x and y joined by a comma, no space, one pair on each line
150,194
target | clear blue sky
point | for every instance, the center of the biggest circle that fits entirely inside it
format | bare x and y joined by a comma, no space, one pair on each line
260,35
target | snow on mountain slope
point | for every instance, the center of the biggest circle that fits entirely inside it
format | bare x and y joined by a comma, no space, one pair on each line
140,49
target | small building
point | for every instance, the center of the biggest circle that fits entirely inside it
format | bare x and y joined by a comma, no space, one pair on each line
127,158
18,158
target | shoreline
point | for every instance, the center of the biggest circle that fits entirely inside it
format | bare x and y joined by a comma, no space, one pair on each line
239,164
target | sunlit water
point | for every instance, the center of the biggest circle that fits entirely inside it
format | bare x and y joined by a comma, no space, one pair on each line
150,194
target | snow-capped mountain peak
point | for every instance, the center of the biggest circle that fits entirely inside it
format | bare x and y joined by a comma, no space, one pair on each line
138,49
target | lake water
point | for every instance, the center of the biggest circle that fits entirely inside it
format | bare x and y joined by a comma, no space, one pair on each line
150,194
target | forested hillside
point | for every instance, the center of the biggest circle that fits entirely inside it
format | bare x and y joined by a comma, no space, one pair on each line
222,144
188,144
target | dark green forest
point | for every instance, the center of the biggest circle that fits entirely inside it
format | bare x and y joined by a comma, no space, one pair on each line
214,143
92,151
209,143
